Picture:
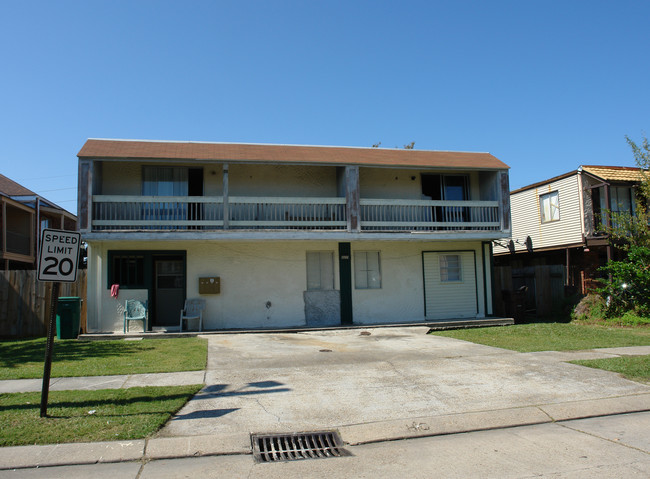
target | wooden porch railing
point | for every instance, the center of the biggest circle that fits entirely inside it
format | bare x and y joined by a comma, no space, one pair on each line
157,212
287,213
243,212
427,215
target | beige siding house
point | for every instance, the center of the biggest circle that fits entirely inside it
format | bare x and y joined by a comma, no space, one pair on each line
295,236
560,222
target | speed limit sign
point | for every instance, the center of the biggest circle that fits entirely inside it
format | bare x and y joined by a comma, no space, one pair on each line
59,256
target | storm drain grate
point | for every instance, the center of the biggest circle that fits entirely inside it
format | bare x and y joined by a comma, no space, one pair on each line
296,446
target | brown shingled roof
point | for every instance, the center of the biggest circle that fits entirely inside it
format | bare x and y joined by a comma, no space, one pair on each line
9,187
614,173
254,153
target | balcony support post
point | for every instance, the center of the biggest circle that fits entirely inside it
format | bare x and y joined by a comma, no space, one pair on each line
85,195
504,199
3,233
352,198
226,210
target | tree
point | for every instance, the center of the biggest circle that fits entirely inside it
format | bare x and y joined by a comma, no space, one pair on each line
628,285
409,146
642,159
634,230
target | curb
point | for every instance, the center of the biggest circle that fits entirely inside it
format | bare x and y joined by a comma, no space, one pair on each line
22,457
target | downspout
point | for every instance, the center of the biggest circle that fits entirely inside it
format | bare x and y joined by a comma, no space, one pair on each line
3,239
608,222
581,202
226,208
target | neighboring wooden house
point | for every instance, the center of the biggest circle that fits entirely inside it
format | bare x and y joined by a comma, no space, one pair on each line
275,236
560,222
24,215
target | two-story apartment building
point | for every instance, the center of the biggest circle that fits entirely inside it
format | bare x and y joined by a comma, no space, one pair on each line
276,236
562,221
23,214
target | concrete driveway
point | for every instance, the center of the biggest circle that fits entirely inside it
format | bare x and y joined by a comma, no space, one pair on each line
387,383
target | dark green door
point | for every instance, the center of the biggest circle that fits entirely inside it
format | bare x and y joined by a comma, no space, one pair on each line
345,280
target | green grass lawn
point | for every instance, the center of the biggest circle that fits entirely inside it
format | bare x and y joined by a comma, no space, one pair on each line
85,416
552,336
635,368
24,359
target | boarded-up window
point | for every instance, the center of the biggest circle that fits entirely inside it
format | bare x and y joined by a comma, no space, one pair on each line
549,206
367,273
320,270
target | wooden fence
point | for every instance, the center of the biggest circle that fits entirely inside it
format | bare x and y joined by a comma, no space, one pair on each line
25,302
544,289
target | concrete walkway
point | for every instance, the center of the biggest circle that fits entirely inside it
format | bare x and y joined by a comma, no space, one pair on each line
370,385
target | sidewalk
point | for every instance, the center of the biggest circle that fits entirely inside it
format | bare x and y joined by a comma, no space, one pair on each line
90,383
296,382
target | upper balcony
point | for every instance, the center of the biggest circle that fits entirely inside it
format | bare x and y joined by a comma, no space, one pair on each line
219,198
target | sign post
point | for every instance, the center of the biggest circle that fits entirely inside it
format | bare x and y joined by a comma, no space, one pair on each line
57,262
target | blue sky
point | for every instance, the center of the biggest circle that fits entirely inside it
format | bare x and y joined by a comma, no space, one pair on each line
543,85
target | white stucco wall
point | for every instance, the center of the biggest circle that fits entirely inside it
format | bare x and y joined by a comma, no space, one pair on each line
113,309
401,297
282,180
255,273
121,178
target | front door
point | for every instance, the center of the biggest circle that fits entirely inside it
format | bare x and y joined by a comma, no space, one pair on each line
169,290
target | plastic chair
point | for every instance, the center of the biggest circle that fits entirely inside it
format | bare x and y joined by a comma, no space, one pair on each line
135,310
193,310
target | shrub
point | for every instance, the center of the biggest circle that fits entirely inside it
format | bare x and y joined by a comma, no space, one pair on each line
629,287
591,308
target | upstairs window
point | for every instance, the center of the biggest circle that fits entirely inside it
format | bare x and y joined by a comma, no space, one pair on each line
549,207
164,181
445,187
622,199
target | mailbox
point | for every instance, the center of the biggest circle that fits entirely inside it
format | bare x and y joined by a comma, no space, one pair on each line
211,285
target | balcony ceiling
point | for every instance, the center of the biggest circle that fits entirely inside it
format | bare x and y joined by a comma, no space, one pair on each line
287,154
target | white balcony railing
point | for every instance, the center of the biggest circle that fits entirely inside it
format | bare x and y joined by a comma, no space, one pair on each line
426,215
207,213
287,213
157,212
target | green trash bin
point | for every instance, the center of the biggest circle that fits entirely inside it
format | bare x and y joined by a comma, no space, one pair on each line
68,316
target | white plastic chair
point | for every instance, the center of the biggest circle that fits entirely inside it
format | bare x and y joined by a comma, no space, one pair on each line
193,310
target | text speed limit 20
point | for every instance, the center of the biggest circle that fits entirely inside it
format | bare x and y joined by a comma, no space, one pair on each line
59,256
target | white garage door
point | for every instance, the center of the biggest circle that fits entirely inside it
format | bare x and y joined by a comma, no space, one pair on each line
450,284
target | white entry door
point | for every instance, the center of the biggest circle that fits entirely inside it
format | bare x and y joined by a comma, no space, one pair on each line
450,284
